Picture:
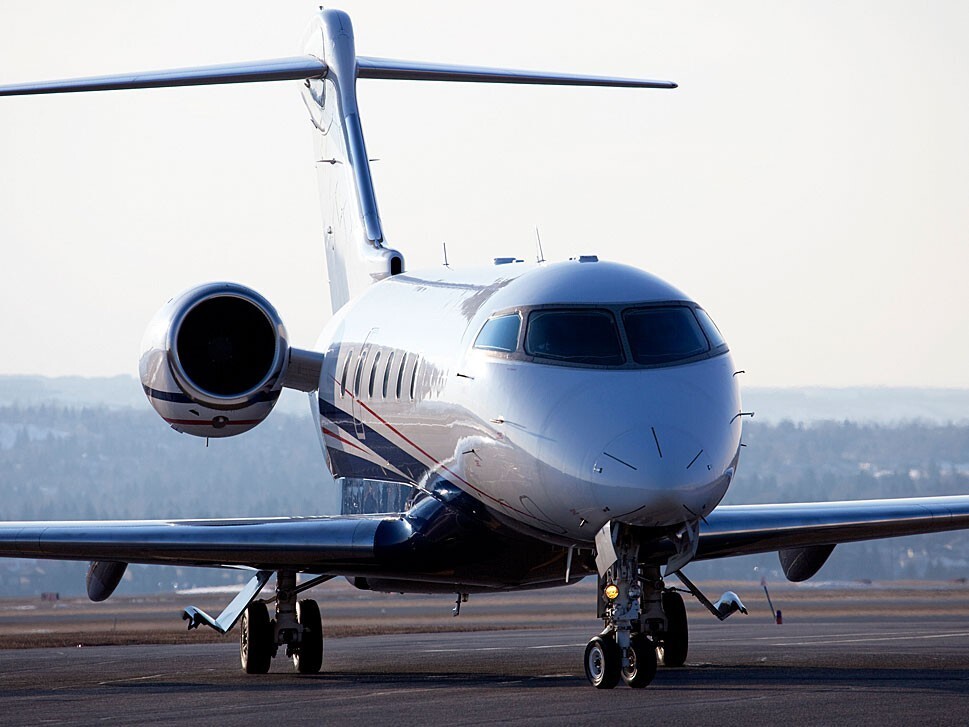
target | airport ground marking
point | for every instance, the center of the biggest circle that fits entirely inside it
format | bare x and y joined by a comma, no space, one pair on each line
897,637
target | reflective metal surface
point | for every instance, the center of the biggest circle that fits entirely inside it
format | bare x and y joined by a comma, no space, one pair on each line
422,71
276,69
301,543
177,395
742,529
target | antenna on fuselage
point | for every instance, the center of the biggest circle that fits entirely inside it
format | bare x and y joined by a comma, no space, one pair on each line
444,245
540,258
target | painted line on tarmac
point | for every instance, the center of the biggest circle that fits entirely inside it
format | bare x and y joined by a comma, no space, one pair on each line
826,637
503,648
818,637
872,639
131,679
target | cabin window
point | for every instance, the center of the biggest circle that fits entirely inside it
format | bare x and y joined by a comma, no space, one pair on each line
500,334
400,373
359,373
413,378
373,372
390,363
343,378
710,328
664,334
580,336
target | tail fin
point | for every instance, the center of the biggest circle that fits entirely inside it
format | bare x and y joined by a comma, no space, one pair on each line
352,232
356,254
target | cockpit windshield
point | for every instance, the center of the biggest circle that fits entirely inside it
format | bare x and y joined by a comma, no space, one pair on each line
613,336
574,336
663,334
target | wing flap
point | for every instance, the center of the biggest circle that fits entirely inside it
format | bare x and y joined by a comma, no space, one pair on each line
745,529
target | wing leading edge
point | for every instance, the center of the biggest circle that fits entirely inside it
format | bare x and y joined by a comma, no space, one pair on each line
745,529
311,544
351,544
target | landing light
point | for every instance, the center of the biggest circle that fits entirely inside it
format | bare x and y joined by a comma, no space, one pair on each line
612,592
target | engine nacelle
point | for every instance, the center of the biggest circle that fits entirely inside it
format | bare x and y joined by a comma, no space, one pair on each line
214,359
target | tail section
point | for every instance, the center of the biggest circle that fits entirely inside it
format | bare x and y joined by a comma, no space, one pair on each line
356,254
353,235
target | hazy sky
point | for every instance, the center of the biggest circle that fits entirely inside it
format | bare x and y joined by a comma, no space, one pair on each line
808,183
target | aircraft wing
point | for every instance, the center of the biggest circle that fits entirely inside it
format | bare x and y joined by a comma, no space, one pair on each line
310,544
349,544
745,529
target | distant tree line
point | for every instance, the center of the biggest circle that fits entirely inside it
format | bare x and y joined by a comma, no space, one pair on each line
99,463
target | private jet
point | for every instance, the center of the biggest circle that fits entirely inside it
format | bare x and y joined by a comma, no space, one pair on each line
548,422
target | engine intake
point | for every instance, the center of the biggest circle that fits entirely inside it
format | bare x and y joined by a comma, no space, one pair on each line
227,346
214,360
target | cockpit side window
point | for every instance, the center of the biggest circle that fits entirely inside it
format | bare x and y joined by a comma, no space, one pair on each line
664,334
500,333
580,336
710,328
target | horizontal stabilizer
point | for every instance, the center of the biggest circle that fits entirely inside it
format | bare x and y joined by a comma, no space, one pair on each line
303,67
420,71
276,69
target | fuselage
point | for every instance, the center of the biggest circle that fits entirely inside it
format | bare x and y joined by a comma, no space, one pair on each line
562,396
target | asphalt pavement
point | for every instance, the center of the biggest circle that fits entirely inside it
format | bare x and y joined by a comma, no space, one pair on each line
816,671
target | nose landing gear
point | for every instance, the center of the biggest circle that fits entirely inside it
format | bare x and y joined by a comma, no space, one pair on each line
644,622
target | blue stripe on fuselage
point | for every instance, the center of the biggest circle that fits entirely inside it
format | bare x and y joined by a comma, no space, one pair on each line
381,445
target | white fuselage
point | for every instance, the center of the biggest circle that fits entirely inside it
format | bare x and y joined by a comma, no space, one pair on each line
562,448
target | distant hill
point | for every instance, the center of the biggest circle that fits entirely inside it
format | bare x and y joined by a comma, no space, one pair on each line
112,392
881,405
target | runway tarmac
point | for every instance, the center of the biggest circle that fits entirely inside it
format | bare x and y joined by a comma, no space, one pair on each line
886,669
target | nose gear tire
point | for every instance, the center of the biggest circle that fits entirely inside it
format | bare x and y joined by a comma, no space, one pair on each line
602,662
641,666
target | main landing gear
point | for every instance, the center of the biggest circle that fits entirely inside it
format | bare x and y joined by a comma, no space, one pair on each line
297,626
645,624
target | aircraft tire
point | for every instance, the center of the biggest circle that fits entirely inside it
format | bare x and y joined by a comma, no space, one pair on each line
256,639
602,662
673,646
642,662
309,658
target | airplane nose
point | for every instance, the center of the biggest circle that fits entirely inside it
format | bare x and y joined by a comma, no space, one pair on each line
655,474
650,448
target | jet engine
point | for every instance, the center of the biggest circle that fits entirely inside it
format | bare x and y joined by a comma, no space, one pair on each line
215,359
